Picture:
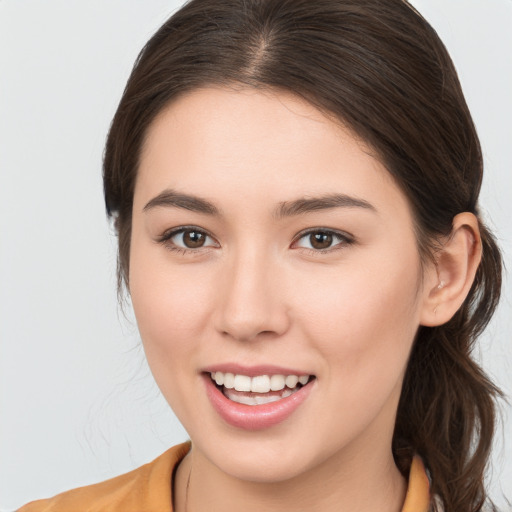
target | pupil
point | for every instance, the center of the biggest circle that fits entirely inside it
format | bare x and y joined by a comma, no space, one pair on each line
321,240
193,239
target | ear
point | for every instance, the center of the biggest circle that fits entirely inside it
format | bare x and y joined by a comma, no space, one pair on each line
448,282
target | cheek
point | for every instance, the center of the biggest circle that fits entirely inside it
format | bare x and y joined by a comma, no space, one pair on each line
363,317
171,316
170,306
169,310
362,326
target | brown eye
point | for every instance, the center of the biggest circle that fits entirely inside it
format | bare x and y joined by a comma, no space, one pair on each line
193,239
323,240
187,238
320,240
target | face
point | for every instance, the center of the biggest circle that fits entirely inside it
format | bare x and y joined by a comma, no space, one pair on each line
269,244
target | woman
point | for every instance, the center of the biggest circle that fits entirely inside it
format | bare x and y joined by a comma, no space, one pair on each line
295,187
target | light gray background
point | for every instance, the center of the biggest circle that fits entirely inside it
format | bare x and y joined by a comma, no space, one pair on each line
77,402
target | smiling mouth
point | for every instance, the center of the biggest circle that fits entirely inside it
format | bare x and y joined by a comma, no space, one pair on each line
258,390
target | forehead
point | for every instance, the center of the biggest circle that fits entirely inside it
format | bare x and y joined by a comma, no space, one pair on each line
269,145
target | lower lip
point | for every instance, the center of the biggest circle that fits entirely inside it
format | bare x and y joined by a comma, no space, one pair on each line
254,417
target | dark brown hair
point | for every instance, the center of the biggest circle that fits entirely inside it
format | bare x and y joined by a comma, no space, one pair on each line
379,68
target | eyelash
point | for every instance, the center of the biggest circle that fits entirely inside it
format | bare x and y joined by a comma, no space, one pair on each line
166,237
344,239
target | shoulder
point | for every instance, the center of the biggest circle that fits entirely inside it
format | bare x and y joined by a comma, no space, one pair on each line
145,489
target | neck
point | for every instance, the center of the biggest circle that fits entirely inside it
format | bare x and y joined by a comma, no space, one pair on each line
340,484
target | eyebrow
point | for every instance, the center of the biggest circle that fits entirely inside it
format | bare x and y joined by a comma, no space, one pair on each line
173,199
307,205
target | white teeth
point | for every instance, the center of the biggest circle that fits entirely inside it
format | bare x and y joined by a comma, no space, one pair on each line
291,381
257,399
229,380
262,400
247,400
242,383
277,382
260,383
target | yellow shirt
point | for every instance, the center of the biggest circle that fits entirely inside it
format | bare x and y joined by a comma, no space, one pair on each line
148,489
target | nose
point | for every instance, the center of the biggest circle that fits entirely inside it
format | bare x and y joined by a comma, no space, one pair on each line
251,303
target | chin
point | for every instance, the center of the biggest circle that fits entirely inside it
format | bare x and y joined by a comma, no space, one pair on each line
263,458
259,468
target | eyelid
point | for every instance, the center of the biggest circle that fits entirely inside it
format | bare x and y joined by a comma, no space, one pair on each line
346,239
165,239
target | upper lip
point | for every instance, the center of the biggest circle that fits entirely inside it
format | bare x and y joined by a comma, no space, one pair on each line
253,371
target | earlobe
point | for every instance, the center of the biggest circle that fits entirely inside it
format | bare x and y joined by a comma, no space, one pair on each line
456,263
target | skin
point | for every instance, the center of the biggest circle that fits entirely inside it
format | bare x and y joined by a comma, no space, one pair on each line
257,292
